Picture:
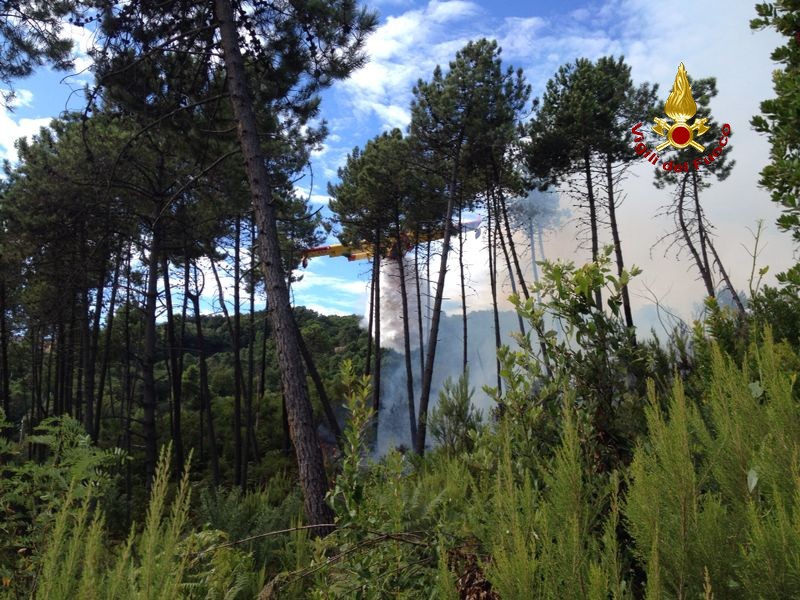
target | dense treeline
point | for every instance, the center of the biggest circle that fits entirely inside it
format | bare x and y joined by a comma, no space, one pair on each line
151,450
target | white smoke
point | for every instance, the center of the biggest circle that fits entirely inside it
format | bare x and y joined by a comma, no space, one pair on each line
392,327
531,216
394,427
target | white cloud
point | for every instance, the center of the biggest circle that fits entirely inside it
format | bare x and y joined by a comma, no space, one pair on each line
404,49
327,310
13,128
22,98
313,280
408,45
83,41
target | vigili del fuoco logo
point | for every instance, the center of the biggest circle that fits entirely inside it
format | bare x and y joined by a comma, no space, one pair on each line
681,108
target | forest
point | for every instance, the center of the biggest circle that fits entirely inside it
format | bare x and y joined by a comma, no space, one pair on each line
161,437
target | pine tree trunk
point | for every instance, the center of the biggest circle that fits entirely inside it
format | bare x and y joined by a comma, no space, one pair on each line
368,363
499,236
493,285
376,367
727,280
107,348
612,216
464,330
427,379
301,419
511,246
176,376
406,330
316,378
534,266
149,357
237,376
701,229
205,394
419,309
5,379
238,449
598,296
251,335
687,238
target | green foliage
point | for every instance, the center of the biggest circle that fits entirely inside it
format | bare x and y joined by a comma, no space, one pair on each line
455,421
243,514
587,348
779,119
780,309
164,560
713,491
32,34
32,491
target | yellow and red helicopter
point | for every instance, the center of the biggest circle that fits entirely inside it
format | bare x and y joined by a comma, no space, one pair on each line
390,250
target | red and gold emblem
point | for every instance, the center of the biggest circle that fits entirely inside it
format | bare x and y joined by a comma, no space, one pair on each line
680,107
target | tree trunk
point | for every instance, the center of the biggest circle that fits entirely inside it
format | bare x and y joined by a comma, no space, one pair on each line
298,404
726,279
704,273
320,387
5,380
419,309
251,334
499,236
511,246
493,285
406,330
107,349
464,330
175,371
376,367
612,216
149,357
422,425
370,320
701,229
237,377
598,296
534,266
237,357
205,394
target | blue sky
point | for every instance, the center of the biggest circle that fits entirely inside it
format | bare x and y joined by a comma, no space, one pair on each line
710,38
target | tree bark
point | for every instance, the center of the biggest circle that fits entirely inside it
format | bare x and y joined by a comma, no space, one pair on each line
464,330
598,296
406,330
298,404
238,451
704,273
727,280
205,394
419,309
107,349
376,367
149,356
422,425
237,378
493,284
5,380
499,236
701,229
176,375
370,320
612,217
